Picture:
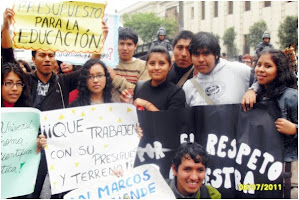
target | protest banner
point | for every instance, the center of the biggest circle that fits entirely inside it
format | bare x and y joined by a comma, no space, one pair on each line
19,160
68,26
88,143
245,149
143,182
110,52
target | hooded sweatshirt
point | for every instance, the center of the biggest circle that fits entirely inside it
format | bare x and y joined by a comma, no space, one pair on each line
226,84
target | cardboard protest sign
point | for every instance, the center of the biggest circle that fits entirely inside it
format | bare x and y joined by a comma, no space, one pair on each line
246,151
110,53
70,26
19,161
143,182
88,143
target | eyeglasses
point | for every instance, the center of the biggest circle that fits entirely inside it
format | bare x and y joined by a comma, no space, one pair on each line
99,76
11,84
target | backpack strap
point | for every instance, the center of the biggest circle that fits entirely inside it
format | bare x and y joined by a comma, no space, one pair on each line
202,92
203,193
185,77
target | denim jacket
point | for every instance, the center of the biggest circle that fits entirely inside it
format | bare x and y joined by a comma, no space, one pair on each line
288,104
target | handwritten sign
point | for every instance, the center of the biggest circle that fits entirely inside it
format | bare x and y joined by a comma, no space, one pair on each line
70,26
110,52
19,161
88,143
143,182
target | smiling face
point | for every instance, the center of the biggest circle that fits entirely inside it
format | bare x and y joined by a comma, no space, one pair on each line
96,80
181,53
126,49
204,61
190,176
11,94
158,67
265,70
44,62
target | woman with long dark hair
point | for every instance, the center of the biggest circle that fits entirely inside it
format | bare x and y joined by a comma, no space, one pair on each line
14,87
95,84
278,82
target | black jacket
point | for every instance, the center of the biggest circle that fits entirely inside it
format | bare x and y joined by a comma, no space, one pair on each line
261,46
176,73
54,99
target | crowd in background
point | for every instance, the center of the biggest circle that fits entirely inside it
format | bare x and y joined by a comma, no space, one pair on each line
173,76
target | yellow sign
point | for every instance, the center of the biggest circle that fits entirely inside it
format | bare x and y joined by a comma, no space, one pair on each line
70,26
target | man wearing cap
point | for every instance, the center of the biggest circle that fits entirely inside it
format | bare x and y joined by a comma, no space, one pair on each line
161,41
265,44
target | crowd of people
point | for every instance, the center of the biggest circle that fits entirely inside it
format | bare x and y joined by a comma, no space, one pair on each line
198,76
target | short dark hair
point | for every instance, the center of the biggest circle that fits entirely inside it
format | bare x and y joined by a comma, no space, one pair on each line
182,35
33,53
159,49
205,40
191,150
126,33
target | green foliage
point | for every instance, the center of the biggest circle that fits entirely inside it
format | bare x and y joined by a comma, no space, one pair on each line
288,32
217,37
147,25
229,41
256,32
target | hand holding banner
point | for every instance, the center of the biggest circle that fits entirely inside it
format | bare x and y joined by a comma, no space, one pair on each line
143,182
70,26
88,143
19,162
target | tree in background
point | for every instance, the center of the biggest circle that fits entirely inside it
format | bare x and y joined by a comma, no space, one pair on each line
256,31
288,32
229,41
147,25
216,36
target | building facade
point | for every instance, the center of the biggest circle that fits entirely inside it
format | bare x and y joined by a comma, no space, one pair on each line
217,16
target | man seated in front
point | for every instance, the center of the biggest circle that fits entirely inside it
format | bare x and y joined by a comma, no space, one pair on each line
189,168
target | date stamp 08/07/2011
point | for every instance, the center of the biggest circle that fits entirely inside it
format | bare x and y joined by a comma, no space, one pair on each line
259,187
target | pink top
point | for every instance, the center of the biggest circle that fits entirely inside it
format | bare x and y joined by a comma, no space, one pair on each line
8,104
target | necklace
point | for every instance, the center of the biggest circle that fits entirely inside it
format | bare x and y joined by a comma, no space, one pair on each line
96,102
